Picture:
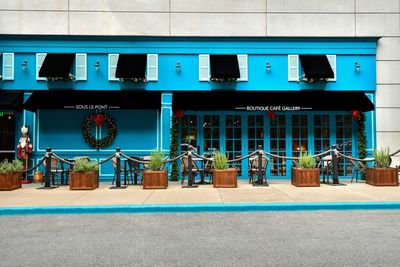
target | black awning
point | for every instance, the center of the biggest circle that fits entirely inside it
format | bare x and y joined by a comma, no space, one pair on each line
253,101
316,66
71,99
57,65
131,66
224,67
11,100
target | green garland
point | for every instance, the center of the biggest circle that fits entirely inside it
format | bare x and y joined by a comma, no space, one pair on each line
90,139
174,148
361,139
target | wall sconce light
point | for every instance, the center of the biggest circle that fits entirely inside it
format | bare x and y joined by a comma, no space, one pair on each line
178,67
357,66
268,67
97,65
24,64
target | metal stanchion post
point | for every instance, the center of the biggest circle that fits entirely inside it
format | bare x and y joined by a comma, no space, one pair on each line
260,181
118,170
47,184
335,166
190,170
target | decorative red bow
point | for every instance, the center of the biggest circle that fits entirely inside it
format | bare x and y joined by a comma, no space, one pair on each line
98,119
355,114
271,115
179,114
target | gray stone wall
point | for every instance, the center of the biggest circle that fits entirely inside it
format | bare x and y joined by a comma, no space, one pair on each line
348,18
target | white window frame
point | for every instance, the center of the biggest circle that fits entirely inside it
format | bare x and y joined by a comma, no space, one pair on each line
39,63
111,67
11,77
154,67
332,61
243,68
83,57
294,67
205,66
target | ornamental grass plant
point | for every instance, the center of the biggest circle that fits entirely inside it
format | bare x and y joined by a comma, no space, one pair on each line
382,158
306,161
220,161
156,162
85,165
8,167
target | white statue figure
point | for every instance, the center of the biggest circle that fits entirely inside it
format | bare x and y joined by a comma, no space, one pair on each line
24,145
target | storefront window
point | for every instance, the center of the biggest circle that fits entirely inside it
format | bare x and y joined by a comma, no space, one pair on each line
211,133
189,130
255,132
299,134
233,142
278,145
344,134
321,133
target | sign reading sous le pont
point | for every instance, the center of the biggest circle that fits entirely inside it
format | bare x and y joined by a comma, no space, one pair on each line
91,107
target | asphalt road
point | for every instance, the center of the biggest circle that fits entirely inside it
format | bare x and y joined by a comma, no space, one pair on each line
323,238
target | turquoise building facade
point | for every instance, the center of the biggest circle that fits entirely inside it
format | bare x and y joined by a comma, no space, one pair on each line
180,64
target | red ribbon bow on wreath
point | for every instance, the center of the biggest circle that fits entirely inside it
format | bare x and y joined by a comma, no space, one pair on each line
98,119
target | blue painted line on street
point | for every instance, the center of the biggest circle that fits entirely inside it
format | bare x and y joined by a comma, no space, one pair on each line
180,208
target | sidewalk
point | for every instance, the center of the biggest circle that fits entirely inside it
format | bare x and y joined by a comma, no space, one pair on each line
279,191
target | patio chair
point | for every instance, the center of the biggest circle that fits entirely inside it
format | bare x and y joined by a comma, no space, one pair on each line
208,170
358,168
122,171
135,170
253,168
325,164
56,170
185,169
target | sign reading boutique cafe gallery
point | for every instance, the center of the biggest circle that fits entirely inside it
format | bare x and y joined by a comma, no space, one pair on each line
272,108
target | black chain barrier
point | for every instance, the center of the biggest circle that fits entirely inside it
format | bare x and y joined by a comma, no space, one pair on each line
36,166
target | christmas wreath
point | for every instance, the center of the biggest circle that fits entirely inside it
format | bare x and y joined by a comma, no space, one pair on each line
98,119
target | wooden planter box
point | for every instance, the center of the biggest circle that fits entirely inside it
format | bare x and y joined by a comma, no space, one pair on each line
155,179
10,181
225,178
382,176
305,177
84,180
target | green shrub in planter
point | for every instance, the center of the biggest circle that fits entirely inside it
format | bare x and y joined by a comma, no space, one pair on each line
8,167
85,165
156,162
220,161
382,158
306,161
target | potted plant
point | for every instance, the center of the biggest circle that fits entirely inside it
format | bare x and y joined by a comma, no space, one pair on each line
382,174
10,175
155,177
306,174
84,175
223,176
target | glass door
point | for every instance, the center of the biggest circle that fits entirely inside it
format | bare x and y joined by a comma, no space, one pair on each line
211,133
233,138
278,145
7,136
344,135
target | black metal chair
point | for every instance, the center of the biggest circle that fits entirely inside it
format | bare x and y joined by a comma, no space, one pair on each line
325,164
209,170
185,169
56,170
122,170
253,168
358,168
135,170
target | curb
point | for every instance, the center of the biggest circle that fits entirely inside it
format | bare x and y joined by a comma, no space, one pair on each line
181,208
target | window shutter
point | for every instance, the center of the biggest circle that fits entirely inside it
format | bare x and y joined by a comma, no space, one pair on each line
204,67
332,62
152,67
8,66
242,59
39,61
112,66
80,67
293,68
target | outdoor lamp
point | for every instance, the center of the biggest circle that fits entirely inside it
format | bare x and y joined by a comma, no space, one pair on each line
268,67
357,66
24,64
97,65
178,67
